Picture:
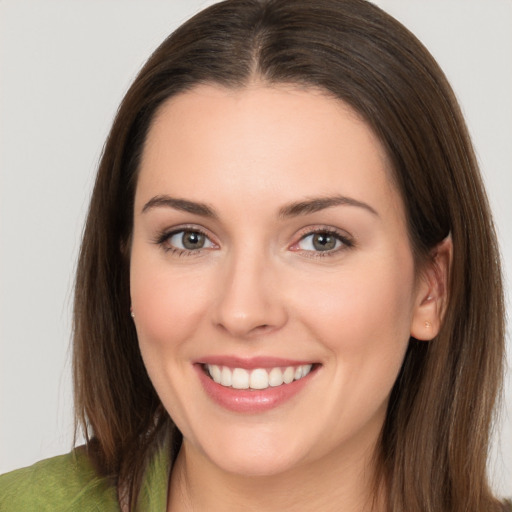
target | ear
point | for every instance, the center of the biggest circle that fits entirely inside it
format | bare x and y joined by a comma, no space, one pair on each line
432,292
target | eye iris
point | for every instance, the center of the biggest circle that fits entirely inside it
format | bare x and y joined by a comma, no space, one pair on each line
193,240
324,242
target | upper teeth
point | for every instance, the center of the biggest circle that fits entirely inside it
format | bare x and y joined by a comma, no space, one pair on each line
259,378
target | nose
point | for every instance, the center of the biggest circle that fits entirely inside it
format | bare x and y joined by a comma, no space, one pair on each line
249,296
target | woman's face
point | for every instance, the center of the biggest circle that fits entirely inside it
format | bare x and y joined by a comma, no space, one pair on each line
272,280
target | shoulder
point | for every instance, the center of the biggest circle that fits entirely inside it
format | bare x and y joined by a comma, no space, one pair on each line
64,483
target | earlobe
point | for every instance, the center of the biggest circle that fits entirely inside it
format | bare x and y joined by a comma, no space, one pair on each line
432,293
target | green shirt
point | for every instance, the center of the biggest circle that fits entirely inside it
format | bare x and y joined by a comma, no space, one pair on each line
70,483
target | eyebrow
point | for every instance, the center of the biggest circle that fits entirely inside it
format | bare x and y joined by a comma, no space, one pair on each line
296,209
317,204
183,205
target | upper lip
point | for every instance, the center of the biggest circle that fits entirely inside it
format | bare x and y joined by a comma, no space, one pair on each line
250,363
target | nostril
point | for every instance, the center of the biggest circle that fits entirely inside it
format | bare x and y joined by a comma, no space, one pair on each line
244,330
246,306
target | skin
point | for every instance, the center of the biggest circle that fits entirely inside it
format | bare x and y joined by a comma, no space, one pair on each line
260,288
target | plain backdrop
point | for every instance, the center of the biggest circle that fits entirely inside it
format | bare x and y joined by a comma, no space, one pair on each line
64,67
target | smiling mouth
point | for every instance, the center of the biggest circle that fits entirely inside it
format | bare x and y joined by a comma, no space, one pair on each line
258,378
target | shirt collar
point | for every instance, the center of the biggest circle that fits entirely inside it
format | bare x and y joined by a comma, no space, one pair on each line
155,482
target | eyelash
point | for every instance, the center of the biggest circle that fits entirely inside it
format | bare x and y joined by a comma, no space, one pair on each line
346,242
162,239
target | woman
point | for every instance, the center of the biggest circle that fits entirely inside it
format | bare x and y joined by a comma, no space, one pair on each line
276,257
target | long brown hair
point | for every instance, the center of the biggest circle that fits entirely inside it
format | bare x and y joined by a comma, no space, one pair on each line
433,450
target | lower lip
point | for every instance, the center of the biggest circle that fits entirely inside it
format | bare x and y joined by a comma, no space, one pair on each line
250,401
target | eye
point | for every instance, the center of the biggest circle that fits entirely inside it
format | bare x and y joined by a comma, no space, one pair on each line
186,240
319,242
323,241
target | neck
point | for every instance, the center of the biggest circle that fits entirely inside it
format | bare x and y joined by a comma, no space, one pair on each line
335,482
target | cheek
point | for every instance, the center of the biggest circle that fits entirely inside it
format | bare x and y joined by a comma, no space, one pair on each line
363,317
168,304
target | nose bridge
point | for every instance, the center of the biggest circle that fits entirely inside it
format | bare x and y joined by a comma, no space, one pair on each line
249,300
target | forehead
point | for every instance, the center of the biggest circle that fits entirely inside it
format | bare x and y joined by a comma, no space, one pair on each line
259,140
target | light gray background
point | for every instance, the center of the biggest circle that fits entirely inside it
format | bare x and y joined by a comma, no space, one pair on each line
64,67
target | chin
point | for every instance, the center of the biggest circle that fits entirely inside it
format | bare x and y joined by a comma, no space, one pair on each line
256,465
253,455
